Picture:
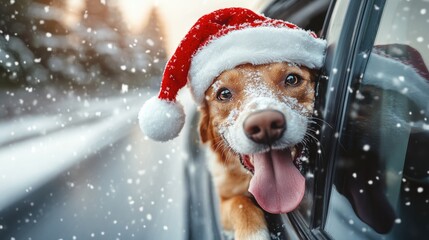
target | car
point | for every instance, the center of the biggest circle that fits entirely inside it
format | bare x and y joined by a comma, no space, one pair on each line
368,174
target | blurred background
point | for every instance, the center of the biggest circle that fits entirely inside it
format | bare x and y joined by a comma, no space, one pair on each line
73,75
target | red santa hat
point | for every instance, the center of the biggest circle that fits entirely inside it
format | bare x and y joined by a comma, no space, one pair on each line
220,41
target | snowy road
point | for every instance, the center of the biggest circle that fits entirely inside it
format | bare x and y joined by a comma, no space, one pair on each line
88,172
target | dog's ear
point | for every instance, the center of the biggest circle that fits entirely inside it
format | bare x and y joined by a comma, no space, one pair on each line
205,133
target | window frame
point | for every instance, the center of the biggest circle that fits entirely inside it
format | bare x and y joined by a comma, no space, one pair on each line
344,65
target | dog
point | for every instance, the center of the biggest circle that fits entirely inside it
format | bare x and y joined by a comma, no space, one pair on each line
253,78
253,117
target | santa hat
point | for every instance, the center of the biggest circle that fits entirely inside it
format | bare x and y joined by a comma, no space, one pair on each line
220,41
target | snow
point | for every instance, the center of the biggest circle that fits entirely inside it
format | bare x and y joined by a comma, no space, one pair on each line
366,147
124,88
46,151
47,148
261,98
150,42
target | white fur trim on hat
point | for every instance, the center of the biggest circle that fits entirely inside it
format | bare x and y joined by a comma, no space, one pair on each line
161,120
259,45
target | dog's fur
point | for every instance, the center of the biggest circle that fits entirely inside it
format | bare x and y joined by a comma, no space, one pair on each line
253,88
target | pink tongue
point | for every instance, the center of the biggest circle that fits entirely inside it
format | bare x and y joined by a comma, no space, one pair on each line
277,184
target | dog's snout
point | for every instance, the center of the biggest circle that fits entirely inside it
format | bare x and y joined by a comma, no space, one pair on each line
265,126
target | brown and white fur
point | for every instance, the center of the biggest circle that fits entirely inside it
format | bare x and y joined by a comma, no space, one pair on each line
250,111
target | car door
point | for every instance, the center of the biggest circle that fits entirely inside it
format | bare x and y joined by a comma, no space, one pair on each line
369,171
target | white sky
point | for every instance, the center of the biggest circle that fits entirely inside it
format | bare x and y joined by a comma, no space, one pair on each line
178,15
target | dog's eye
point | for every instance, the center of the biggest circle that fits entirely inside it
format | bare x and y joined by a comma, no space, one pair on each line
224,94
293,79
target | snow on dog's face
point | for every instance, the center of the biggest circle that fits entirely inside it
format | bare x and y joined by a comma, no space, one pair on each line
259,113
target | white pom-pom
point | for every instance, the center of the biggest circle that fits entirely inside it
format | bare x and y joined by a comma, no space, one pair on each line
161,120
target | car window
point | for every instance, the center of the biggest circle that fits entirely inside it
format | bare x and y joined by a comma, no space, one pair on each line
381,178
306,208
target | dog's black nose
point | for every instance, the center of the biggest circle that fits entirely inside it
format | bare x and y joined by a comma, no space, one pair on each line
265,126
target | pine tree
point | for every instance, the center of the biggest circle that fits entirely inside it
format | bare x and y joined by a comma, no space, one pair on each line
37,46
19,63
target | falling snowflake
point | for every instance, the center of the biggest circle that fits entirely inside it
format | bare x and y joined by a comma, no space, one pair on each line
150,42
124,88
366,147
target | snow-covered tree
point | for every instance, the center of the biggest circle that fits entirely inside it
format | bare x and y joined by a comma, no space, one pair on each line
19,62
38,46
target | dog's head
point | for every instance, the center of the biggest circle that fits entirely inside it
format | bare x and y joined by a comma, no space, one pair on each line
260,113
220,41
256,112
